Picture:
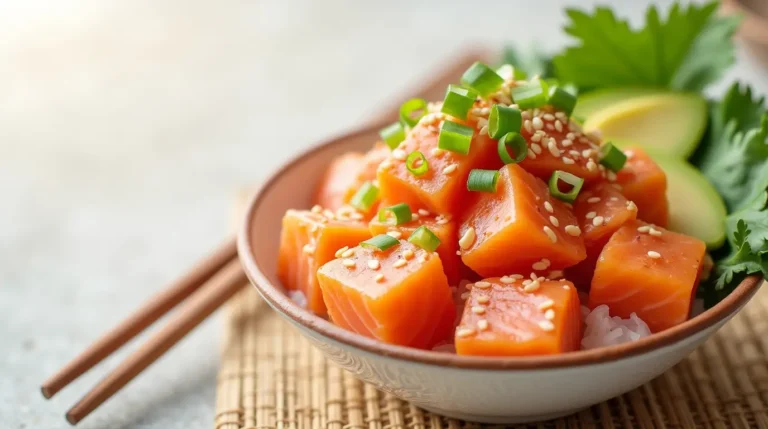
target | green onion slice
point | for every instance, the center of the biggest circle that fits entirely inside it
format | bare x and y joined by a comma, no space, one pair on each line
506,71
517,144
425,239
416,163
380,242
562,100
458,101
393,134
455,137
400,212
365,197
503,120
413,110
531,95
612,157
482,79
569,179
482,180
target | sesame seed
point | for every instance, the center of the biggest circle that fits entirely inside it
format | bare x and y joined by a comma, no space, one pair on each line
478,309
546,326
527,126
348,253
482,325
507,280
554,221
549,314
458,252
546,304
598,220
570,136
537,123
591,166
423,212
561,115
593,200
349,263
482,285
399,154
559,126
630,204
341,251
534,276
468,286
484,130
654,232
567,143
400,263
586,153
532,287
379,278
308,249
573,230
316,209
548,207
553,148
450,169
373,264
483,299
643,229
539,266
568,161
408,254
536,137
467,239
550,127
548,117
465,332
414,216
442,221
653,254
555,274
574,153
531,155
550,234
536,148
436,151
590,215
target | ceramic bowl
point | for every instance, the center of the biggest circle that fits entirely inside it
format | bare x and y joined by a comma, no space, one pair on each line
491,390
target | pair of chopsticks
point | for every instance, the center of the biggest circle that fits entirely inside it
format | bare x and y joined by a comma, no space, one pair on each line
205,288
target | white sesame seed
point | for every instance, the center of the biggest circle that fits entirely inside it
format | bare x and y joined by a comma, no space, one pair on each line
546,326
373,264
483,299
549,314
568,161
590,215
349,263
531,155
423,212
653,254
630,204
561,115
316,209
550,234
572,230
643,229
593,200
591,166
395,234
400,263
458,252
546,304
450,169
482,285
539,266
507,280
348,253
532,287
341,251
598,220
552,146
484,130
574,153
548,207
468,239
570,136
465,332
527,126
536,137
548,117
379,278
549,127
436,151
586,153
414,216
537,123
555,274
566,143
442,221
534,276
654,232
611,176
399,154
559,126
566,287
482,325
553,220
478,309
308,249
408,254
536,148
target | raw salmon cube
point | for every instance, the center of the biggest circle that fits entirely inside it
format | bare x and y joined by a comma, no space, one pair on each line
649,271
346,174
519,228
514,317
443,188
645,183
307,241
399,296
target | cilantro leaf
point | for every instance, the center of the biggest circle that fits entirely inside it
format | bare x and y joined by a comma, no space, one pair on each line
689,50
742,262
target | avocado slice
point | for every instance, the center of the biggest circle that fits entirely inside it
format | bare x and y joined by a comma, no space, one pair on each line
695,207
592,102
671,122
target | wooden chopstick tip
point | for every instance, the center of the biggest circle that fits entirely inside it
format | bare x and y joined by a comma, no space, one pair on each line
47,394
73,420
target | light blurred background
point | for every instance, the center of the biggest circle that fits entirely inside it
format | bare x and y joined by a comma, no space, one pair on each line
126,128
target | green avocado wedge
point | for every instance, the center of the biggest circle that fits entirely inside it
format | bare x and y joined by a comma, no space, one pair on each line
669,122
595,101
695,207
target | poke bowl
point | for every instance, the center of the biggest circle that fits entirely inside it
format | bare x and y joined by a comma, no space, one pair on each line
525,248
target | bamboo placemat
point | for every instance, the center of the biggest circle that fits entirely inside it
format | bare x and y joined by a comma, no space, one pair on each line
270,377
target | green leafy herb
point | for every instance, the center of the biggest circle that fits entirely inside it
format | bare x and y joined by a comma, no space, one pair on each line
689,50
531,62
742,261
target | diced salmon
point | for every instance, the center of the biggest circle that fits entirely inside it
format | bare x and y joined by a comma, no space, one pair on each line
645,183
443,188
515,317
399,296
649,271
346,174
518,226
307,241
601,210
443,227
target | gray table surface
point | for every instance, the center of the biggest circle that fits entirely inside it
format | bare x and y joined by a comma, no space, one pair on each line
127,126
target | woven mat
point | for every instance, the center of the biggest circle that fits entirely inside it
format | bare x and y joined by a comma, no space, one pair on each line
270,377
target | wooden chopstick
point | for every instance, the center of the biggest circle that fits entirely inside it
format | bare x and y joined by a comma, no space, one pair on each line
152,310
200,305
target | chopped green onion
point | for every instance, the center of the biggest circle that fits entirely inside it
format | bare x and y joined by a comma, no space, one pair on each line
400,212
506,71
571,89
482,79
503,120
458,101
425,239
393,134
612,157
562,99
455,137
417,106
416,163
569,179
531,95
380,242
519,147
365,196
482,180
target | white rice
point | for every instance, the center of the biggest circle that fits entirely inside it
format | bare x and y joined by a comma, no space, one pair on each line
603,330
